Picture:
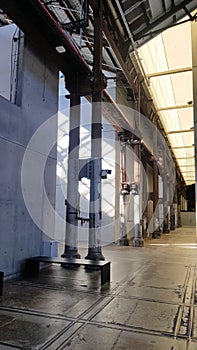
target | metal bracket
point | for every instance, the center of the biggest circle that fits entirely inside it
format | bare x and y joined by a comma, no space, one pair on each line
86,165
83,220
130,188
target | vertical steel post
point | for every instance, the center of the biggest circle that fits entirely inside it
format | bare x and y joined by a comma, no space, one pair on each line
144,199
165,198
172,212
156,232
179,223
138,240
194,70
117,188
71,250
175,205
94,250
123,241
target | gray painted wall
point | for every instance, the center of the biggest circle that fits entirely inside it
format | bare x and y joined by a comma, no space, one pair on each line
188,218
20,237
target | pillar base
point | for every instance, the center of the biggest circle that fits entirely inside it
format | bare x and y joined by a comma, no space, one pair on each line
71,252
156,234
166,230
138,242
172,227
95,254
123,241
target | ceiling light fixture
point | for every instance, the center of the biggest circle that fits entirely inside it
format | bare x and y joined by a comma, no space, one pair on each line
60,49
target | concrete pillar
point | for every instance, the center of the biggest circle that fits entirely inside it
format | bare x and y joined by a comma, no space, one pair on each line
194,70
70,250
138,240
94,250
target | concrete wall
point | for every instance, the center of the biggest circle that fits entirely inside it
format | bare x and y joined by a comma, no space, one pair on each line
188,218
20,237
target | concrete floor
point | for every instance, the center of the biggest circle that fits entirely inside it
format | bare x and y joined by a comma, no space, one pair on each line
151,302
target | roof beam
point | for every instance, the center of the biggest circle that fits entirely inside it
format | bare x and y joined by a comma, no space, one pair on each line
170,71
179,131
175,107
159,20
133,7
134,19
186,166
187,172
188,13
182,147
185,157
164,5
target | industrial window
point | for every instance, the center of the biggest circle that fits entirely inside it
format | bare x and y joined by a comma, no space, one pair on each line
9,61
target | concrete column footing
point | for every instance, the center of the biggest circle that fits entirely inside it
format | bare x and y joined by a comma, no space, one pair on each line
71,252
138,242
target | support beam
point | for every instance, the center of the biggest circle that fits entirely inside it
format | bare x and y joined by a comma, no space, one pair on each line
133,7
190,105
187,165
94,250
179,131
138,240
70,250
170,71
165,196
192,157
181,147
145,199
172,209
123,241
156,233
160,19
